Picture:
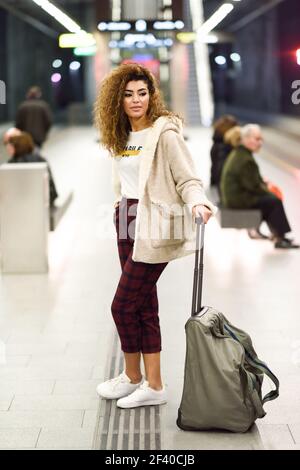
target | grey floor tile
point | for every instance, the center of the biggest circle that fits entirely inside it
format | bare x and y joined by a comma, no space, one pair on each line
90,418
29,349
66,439
56,371
6,401
16,438
27,387
98,372
276,436
64,360
21,338
75,387
295,431
41,418
17,360
176,439
55,402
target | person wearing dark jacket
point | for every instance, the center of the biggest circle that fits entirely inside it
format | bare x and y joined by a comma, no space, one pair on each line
20,148
34,116
220,149
242,187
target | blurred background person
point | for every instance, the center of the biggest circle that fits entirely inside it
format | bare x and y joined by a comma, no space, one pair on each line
20,148
242,187
34,116
11,132
233,137
220,149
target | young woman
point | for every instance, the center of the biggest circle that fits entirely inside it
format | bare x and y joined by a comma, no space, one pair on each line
154,181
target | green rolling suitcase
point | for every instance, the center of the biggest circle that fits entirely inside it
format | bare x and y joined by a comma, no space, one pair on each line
223,376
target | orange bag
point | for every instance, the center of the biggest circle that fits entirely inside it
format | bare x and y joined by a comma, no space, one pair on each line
275,190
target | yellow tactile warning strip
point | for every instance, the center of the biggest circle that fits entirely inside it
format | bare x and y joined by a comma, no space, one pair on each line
120,429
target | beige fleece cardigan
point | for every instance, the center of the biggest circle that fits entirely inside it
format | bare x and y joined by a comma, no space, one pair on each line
168,189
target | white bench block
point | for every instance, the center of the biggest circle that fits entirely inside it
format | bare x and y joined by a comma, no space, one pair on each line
24,218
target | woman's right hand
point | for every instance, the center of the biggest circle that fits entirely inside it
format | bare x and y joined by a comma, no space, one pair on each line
203,211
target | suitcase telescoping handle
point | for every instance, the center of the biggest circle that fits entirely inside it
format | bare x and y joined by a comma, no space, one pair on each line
198,271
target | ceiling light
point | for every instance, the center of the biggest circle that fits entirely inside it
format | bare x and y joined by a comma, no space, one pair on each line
220,60
215,19
56,78
75,65
140,25
58,15
57,63
235,57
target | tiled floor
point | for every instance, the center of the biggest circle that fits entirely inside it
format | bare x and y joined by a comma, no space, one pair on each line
56,329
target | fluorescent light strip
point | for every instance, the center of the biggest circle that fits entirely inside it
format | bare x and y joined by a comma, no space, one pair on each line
215,19
203,72
59,15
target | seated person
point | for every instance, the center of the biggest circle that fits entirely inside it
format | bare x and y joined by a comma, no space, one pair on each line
242,187
20,147
10,133
233,138
220,149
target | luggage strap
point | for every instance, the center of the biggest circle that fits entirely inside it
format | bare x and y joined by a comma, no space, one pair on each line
258,364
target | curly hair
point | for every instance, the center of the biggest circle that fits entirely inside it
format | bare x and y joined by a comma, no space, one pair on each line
109,115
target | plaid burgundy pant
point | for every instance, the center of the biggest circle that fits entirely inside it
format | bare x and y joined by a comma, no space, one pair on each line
135,304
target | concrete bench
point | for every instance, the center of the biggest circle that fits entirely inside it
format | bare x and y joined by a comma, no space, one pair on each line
234,218
239,218
61,204
24,217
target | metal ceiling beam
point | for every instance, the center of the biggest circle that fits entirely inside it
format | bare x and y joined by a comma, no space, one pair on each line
30,20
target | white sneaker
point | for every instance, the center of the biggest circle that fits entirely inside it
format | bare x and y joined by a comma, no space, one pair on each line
117,388
143,396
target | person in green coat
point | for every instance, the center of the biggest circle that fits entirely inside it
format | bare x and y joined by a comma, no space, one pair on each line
242,187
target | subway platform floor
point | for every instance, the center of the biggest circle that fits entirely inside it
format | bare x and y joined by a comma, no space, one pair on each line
57,337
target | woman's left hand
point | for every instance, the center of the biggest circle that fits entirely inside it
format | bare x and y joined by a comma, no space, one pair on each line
203,211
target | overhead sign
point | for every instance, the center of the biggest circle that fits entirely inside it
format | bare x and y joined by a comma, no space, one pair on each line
140,44
76,40
187,37
141,25
85,51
